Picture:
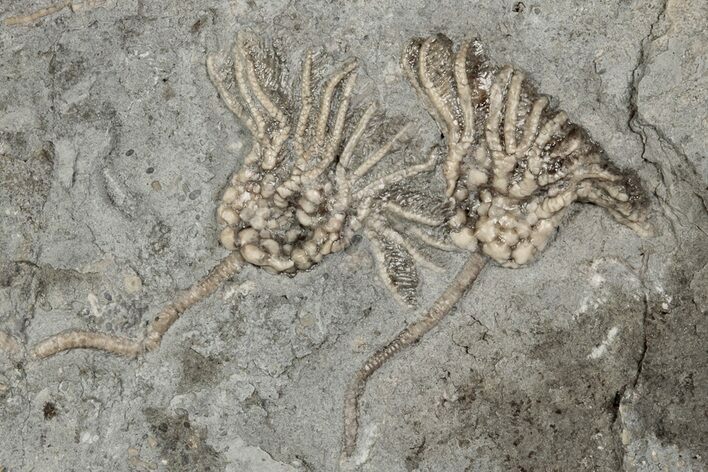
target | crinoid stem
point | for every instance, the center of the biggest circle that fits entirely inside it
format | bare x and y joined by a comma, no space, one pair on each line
75,5
24,20
76,339
442,306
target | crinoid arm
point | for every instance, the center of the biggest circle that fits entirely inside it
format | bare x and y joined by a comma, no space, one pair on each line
251,83
452,85
407,229
80,339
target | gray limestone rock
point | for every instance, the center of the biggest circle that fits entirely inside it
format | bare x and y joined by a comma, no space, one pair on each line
115,148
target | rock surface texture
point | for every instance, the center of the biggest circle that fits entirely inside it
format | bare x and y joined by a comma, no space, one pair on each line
116,148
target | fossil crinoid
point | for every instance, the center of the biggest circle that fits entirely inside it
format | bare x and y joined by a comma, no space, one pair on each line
305,187
513,165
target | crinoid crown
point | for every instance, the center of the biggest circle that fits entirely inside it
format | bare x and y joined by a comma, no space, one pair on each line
307,183
514,163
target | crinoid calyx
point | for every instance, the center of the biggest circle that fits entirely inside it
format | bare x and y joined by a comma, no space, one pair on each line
306,186
513,165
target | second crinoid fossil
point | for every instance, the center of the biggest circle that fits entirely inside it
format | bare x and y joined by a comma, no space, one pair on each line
309,182
513,166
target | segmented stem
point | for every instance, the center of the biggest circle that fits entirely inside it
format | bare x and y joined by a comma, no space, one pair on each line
78,339
442,306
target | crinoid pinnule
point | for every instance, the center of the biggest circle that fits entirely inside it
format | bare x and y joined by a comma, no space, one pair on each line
309,182
513,165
